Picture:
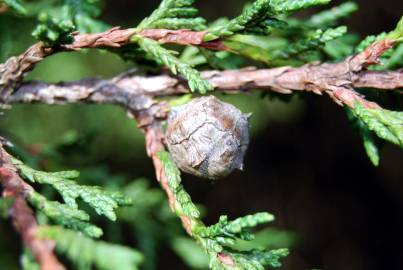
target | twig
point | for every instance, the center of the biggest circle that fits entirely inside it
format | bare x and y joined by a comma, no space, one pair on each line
183,37
22,215
149,122
13,70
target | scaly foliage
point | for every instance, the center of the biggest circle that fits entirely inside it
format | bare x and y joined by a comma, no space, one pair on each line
174,14
53,31
369,139
315,40
28,261
330,17
219,240
64,214
102,201
387,124
68,215
159,53
85,252
259,15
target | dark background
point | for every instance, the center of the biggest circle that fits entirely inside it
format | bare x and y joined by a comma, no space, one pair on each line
305,164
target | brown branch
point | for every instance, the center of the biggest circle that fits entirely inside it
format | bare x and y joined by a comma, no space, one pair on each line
337,80
13,70
183,37
138,92
22,215
114,38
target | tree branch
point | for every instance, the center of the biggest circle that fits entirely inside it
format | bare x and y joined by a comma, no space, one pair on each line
13,70
337,80
138,92
22,215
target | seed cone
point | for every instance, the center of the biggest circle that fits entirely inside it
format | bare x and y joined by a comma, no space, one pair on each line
207,137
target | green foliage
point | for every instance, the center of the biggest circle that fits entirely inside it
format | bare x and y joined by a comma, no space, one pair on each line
166,57
64,215
387,124
253,15
220,239
102,201
28,261
260,17
330,17
158,226
256,48
257,260
315,40
184,204
370,147
86,253
57,22
397,33
342,47
174,14
285,6
83,14
226,231
53,31
278,51
369,141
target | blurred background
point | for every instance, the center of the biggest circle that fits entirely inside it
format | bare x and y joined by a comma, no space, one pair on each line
305,163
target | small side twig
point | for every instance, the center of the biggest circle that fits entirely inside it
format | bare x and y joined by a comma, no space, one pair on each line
13,70
183,37
22,215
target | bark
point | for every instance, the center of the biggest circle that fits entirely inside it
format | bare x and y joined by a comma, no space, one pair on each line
139,92
23,218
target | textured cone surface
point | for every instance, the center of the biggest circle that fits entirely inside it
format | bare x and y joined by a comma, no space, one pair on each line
207,137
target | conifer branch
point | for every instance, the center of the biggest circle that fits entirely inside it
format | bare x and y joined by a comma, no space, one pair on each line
22,215
14,69
216,240
175,22
134,92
